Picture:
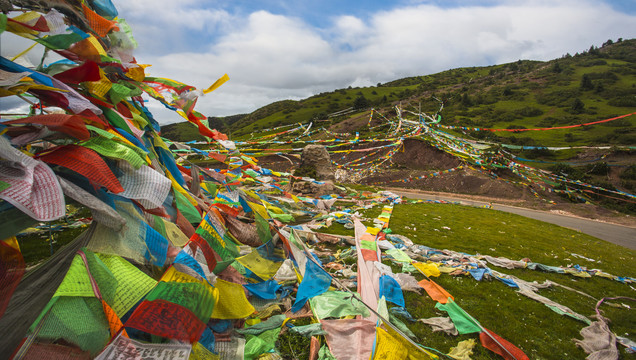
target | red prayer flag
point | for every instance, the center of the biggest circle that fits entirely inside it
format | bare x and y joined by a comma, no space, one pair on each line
511,352
166,319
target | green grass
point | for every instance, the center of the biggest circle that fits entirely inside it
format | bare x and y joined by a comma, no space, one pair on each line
533,327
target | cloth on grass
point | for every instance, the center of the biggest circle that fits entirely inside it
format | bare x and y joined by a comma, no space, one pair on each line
505,263
464,323
478,273
441,324
402,312
390,289
463,350
598,341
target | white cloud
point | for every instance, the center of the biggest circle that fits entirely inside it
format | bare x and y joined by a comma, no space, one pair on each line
271,57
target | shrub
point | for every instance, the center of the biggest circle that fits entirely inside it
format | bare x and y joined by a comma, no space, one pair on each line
629,173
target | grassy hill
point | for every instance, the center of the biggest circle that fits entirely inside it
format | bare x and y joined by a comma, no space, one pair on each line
595,84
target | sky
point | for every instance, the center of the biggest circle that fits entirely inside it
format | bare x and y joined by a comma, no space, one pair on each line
289,49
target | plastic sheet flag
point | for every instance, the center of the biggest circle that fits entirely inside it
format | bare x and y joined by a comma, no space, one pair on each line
428,269
233,303
261,267
264,290
350,339
501,346
394,347
390,289
315,282
464,323
12,268
166,319
435,291
337,304
125,348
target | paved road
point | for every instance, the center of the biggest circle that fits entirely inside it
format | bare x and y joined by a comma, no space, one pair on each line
617,234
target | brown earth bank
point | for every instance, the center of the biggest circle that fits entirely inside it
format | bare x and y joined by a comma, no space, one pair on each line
417,159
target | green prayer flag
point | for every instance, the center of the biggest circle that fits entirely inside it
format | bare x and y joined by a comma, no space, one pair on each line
464,323
187,209
259,344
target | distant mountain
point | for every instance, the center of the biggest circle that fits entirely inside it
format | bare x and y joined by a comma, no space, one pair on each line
596,84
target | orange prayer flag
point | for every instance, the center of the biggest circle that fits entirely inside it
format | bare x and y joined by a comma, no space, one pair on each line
114,322
508,352
435,291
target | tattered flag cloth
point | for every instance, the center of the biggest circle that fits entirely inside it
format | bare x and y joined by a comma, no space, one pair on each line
33,187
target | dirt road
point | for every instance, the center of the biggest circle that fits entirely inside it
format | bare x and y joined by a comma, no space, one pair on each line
616,234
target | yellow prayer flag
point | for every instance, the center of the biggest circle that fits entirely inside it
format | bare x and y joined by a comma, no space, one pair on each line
232,302
428,269
217,83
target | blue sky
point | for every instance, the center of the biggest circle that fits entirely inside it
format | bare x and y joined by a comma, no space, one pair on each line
292,49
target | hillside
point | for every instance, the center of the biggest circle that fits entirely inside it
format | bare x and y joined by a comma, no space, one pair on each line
594,85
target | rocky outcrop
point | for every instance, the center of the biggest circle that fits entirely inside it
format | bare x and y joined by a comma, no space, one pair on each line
316,157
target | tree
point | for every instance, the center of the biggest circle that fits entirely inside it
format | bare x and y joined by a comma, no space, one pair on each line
578,106
360,103
586,82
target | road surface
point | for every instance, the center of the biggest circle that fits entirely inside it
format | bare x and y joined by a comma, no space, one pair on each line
616,234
